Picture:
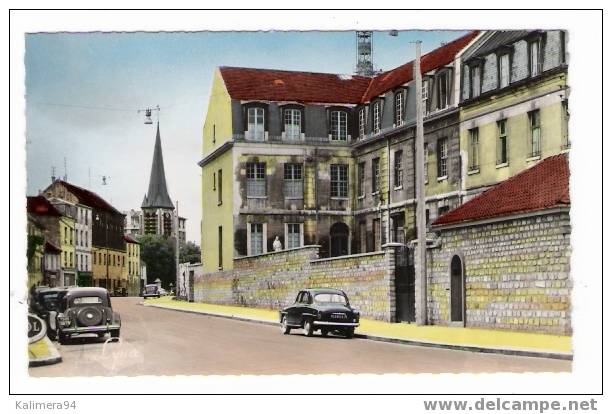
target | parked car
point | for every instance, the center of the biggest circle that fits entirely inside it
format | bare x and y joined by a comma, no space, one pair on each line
44,303
151,291
86,310
325,310
120,291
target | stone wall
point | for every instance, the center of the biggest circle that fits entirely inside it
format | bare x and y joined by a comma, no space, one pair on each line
272,280
517,274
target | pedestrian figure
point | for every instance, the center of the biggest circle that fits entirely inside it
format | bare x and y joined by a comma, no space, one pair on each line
277,245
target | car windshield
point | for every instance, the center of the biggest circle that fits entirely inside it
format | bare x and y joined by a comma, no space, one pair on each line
330,298
151,289
87,300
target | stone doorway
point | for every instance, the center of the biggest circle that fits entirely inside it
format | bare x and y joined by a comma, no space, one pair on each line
457,292
339,240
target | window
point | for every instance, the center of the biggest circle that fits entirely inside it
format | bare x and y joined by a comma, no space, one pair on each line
398,170
214,181
339,180
565,124
534,128
425,95
399,108
443,210
71,261
426,162
442,90
219,187
375,175
502,143
503,66
256,179
114,260
338,121
220,247
362,122
256,238
293,124
363,235
65,234
376,118
534,58
94,258
377,234
71,233
442,157
81,241
475,79
123,261
130,268
86,239
360,179
255,128
293,235
214,134
65,259
293,184
473,154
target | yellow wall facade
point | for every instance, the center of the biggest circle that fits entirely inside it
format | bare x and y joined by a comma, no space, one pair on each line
514,107
115,268
67,243
215,214
218,125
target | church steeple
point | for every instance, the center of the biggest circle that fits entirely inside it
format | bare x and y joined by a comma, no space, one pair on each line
157,196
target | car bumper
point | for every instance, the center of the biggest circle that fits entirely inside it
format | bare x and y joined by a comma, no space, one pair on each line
89,329
339,324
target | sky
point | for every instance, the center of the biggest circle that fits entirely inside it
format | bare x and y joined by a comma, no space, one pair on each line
83,92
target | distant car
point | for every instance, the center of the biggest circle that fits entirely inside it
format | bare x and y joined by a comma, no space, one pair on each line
44,303
325,310
151,291
120,291
86,310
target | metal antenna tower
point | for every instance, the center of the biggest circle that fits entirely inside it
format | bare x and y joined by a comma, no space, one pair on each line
365,49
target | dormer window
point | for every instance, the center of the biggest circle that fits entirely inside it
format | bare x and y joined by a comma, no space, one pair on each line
534,58
376,117
399,108
442,85
362,123
339,125
475,81
255,123
503,67
425,95
293,123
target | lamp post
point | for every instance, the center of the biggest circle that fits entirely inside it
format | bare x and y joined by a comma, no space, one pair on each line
106,257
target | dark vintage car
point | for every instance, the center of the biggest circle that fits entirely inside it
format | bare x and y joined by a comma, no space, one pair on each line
86,310
151,291
44,303
325,310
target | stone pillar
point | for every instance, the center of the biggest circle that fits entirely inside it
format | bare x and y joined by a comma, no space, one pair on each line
420,312
390,251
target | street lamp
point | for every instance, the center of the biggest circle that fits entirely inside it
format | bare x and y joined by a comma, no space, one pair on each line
106,257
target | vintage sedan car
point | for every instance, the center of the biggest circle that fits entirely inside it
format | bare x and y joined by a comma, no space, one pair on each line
151,291
86,310
323,309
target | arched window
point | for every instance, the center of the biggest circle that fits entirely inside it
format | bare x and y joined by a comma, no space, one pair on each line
457,290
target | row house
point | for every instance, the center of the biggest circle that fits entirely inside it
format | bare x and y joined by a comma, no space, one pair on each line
108,249
132,271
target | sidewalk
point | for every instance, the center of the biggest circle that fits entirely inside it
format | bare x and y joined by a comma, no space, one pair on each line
468,339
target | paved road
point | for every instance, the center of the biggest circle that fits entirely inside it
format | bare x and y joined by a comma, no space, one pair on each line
164,342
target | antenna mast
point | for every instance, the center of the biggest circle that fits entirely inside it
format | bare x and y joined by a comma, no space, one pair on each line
365,49
65,170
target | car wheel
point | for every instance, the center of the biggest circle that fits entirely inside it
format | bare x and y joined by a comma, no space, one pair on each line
114,333
324,332
308,328
286,330
52,334
349,333
62,338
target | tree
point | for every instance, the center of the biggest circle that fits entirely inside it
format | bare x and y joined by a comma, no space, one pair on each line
189,253
158,254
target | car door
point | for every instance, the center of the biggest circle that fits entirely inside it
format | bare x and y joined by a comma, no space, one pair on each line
293,311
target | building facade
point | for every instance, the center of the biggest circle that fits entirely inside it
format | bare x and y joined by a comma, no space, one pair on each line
36,252
107,230
514,106
132,270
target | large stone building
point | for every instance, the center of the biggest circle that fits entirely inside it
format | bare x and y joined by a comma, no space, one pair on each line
107,242
323,159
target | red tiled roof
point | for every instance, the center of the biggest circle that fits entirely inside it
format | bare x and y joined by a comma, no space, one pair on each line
89,198
430,61
309,87
41,206
128,238
281,85
542,186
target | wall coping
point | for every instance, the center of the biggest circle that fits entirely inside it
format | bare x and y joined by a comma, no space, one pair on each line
254,256
348,256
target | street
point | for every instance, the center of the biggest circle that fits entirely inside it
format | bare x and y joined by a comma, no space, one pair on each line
164,342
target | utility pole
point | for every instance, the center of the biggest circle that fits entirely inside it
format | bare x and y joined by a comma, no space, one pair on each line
421,255
176,254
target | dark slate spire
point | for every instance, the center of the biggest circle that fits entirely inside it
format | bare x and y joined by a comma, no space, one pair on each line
157,196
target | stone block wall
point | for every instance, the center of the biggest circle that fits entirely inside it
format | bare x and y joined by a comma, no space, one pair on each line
517,274
272,280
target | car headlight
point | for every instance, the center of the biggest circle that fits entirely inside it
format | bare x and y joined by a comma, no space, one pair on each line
63,320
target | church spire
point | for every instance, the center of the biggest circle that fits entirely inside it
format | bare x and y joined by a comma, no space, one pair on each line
157,196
